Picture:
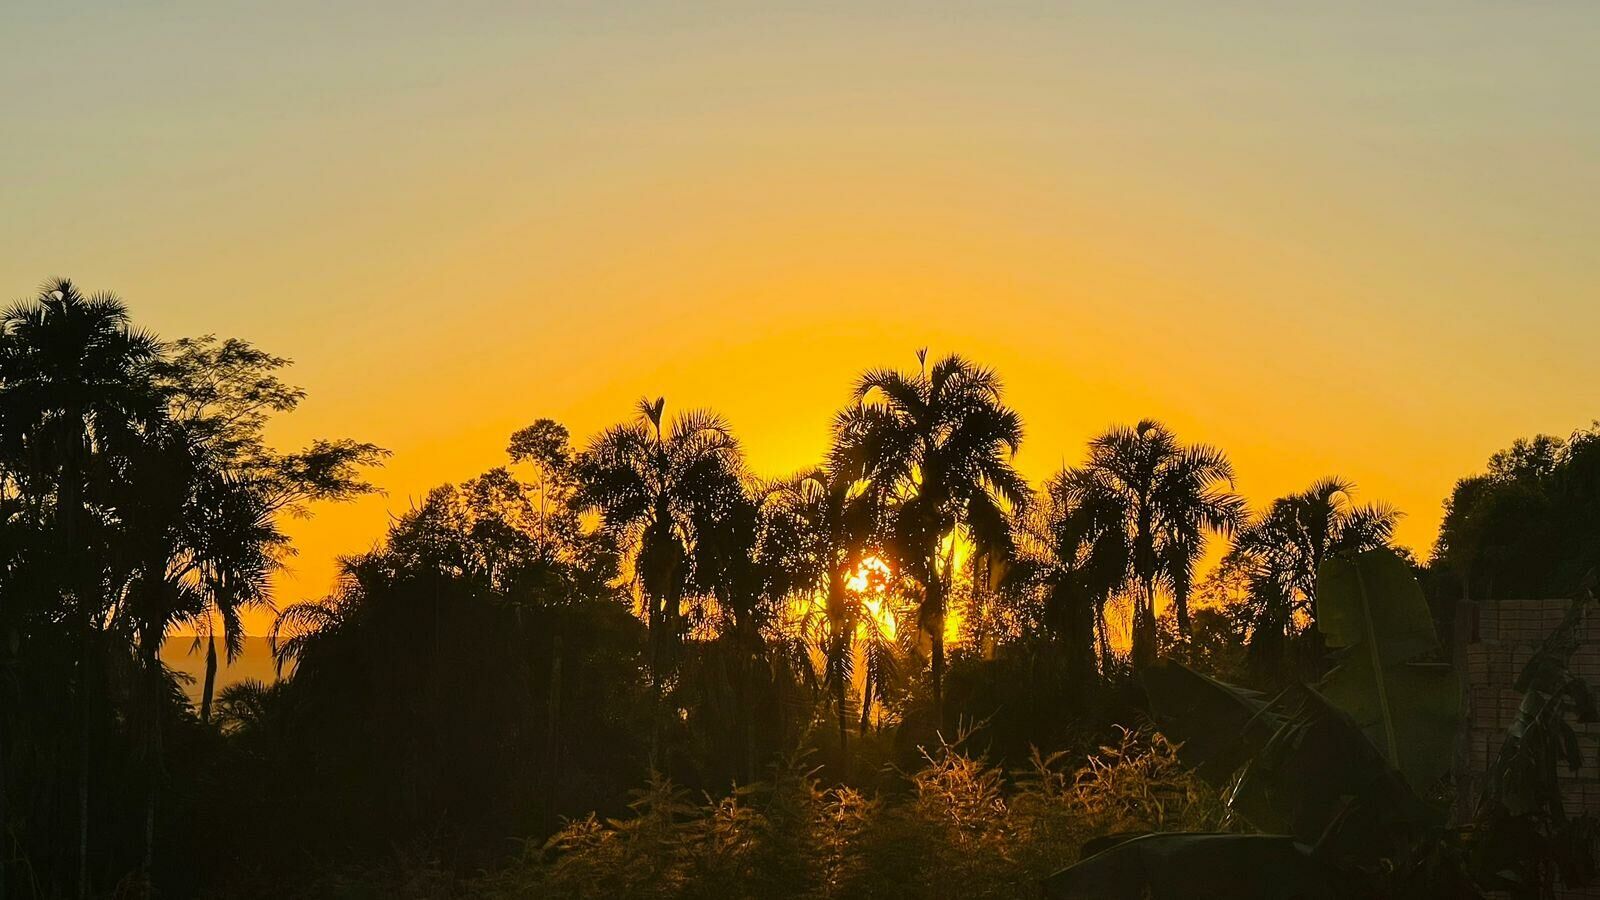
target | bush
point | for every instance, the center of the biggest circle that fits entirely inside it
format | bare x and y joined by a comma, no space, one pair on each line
957,827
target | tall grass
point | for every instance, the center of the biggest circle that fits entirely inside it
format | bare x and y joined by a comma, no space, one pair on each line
959,827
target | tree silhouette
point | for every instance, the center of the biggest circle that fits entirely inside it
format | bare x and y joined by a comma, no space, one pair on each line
74,391
820,528
1171,495
1076,552
223,394
657,484
1280,550
935,445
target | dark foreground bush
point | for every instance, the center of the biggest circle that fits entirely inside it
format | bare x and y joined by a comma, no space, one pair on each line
960,828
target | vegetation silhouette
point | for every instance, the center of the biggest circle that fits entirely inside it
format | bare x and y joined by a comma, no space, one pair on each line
904,671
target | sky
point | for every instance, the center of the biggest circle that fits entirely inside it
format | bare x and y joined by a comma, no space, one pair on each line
1352,238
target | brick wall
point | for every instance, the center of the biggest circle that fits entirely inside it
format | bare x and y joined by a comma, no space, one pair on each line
1503,636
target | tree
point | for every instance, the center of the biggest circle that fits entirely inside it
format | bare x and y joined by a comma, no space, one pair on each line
74,392
1076,554
819,527
223,394
1171,496
1527,527
470,588
140,471
1280,551
656,484
936,446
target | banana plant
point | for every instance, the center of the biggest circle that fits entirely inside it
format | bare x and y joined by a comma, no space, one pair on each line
1341,774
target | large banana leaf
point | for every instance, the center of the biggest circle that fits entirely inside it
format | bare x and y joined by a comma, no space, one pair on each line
1371,610
1296,765
1221,725
1200,867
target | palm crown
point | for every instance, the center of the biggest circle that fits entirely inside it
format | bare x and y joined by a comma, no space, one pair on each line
936,445
1171,495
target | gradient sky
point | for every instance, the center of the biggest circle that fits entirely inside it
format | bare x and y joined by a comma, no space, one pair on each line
1358,239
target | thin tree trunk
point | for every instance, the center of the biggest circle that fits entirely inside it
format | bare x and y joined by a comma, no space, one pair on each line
5,830
838,646
69,508
1104,635
746,658
553,731
1144,625
151,653
211,679
866,702
844,739
84,710
150,832
934,596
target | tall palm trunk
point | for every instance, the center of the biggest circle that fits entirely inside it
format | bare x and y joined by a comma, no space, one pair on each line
84,716
1144,623
553,729
748,651
1180,605
69,510
933,622
1144,606
1104,635
866,702
838,646
152,707
211,679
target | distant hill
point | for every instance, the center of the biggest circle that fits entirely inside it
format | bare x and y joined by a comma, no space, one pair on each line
181,654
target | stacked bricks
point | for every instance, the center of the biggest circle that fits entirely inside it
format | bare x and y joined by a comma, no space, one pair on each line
1506,635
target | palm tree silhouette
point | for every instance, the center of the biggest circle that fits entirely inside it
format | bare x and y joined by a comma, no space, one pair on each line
1281,550
1076,548
1171,495
936,446
654,483
238,546
820,525
74,389
222,393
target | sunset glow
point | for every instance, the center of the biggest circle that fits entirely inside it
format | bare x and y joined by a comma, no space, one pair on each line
793,196
490,449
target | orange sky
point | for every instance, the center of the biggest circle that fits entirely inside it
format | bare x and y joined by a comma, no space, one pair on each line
1355,242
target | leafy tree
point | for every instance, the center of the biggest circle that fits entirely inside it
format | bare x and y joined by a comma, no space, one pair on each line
141,498
1076,557
1529,526
223,394
476,586
1280,551
935,445
819,528
658,484
1171,496
74,392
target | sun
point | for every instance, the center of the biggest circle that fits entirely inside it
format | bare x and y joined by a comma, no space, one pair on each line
870,581
871,576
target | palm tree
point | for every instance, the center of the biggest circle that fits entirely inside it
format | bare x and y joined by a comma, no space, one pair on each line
237,546
936,446
654,483
1076,550
1281,550
1172,496
74,388
222,394
818,530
